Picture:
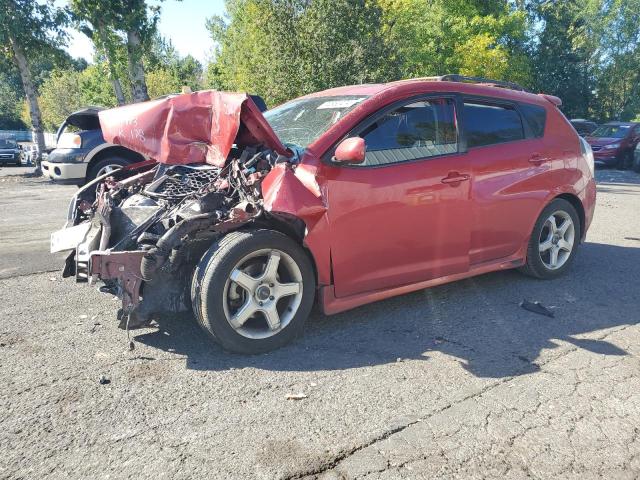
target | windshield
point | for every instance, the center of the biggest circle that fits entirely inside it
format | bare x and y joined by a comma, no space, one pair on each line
299,122
611,131
7,143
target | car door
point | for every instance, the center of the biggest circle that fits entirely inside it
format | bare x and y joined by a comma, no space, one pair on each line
403,215
513,171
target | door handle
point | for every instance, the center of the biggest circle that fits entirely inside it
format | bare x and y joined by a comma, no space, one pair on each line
455,177
537,159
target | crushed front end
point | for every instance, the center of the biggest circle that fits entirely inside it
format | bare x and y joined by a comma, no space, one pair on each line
141,229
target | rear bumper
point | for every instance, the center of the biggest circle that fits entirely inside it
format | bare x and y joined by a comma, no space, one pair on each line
72,173
588,198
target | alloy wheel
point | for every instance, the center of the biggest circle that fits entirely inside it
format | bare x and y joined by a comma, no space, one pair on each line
263,293
108,169
557,240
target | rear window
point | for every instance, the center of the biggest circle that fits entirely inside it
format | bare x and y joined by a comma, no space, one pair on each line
536,117
486,124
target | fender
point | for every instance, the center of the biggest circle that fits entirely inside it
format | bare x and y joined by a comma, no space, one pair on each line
298,194
92,153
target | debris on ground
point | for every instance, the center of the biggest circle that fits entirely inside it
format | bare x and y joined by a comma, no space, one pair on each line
104,380
296,396
537,307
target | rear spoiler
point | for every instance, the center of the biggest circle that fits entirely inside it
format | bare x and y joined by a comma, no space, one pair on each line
553,99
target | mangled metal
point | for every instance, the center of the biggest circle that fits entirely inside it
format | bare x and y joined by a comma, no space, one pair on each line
142,228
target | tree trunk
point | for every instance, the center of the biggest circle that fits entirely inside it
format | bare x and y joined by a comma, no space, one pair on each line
32,98
107,46
136,69
117,88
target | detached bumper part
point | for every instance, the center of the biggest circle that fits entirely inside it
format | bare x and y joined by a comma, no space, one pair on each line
124,267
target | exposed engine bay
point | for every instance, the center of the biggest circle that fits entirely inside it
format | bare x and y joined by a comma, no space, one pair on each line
215,165
141,229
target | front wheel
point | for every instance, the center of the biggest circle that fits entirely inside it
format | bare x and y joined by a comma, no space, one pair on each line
554,241
106,165
253,291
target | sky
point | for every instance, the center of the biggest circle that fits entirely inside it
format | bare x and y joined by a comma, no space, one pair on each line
182,22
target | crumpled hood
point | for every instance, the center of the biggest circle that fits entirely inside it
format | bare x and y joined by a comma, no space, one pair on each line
600,141
190,128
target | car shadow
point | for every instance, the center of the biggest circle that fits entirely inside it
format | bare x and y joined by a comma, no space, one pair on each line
478,321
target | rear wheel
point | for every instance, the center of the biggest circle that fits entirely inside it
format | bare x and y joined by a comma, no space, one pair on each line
625,161
554,240
636,161
253,291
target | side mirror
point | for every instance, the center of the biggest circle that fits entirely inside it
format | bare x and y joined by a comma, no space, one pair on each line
350,150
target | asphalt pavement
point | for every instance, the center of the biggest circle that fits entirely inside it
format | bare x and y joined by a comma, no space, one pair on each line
456,381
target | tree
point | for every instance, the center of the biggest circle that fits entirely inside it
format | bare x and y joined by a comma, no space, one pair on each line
284,48
474,37
564,55
138,22
9,104
617,24
26,27
60,95
91,18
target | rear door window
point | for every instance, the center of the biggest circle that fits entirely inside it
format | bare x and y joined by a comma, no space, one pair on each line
418,130
536,117
487,124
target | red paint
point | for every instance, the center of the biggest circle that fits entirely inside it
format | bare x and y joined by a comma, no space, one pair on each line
379,232
395,229
351,150
189,128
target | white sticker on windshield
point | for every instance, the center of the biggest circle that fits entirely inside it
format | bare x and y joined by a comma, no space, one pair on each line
339,104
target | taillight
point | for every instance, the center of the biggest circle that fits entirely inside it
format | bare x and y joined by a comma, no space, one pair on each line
70,140
587,153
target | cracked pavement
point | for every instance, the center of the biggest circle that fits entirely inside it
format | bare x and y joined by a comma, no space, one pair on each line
455,381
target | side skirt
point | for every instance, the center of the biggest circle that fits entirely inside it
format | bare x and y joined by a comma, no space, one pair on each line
330,304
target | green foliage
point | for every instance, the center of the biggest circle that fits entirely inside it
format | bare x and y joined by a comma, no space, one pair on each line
60,95
280,49
480,38
10,104
36,25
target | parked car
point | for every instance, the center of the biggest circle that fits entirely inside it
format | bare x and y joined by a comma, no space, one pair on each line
583,127
636,158
347,196
10,151
81,153
613,143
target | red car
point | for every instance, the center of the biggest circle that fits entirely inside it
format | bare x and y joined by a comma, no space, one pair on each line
347,196
613,143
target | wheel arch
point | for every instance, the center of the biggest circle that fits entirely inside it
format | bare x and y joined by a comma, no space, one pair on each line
577,204
106,150
293,227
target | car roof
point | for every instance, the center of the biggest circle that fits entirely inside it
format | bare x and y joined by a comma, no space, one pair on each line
431,83
628,124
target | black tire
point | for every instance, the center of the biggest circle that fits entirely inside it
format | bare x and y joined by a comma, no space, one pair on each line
625,161
99,165
636,162
534,266
212,273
